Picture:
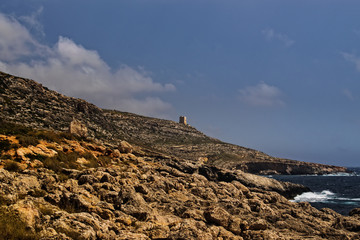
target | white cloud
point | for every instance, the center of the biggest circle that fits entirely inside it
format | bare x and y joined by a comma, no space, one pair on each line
261,95
270,35
352,58
76,71
15,40
33,22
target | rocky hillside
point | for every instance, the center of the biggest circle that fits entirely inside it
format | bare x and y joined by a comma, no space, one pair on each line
56,185
27,102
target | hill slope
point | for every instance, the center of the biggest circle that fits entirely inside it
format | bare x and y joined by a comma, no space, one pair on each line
56,186
27,102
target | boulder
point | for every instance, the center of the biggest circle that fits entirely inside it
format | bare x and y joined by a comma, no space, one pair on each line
125,147
217,216
260,224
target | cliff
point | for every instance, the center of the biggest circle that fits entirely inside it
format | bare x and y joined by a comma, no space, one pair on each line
27,102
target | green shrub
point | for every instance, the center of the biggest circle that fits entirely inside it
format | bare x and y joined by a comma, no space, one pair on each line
5,156
12,228
5,145
12,166
48,136
104,160
67,135
37,193
4,201
7,128
35,156
27,140
62,160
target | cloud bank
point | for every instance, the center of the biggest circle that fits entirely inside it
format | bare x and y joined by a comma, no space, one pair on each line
73,70
270,35
261,95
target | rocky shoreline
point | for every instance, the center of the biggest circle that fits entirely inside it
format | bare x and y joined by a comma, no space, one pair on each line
126,192
70,170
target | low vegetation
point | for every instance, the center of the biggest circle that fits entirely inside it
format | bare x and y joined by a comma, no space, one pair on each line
12,166
5,145
29,136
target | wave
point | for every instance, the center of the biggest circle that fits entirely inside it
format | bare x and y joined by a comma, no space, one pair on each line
323,196
341,174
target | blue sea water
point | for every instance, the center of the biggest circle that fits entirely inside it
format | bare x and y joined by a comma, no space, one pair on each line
340,192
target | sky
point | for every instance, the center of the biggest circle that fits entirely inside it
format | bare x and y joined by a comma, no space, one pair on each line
279,76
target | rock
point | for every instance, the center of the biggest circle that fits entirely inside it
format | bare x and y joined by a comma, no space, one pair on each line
73,225
78,129
125,147
36,164
107,178
237,225
82,161
27,212
42,150
116,153
260,224
87,178
23,151
217,216
355,212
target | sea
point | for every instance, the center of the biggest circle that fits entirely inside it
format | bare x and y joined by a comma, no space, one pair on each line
340,191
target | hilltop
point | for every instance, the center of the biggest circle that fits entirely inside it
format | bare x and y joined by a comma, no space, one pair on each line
28,102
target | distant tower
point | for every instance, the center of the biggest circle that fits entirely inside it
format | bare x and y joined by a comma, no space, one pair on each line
182,120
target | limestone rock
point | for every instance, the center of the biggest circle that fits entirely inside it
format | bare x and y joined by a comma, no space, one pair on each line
355,212
217,216
125,147
259,225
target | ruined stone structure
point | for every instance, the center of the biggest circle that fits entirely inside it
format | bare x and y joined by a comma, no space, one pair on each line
77,128
182,120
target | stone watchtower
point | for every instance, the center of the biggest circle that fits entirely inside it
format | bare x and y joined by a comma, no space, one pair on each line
182,120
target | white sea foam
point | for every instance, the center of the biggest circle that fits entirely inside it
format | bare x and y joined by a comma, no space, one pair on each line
349,199
341,174
323,196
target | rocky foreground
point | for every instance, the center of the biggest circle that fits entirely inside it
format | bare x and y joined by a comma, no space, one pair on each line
57,186
27,102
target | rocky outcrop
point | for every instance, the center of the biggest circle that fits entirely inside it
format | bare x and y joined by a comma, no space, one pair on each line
143,195
185,142
27,102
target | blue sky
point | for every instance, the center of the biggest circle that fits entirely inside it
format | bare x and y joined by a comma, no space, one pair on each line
279,76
